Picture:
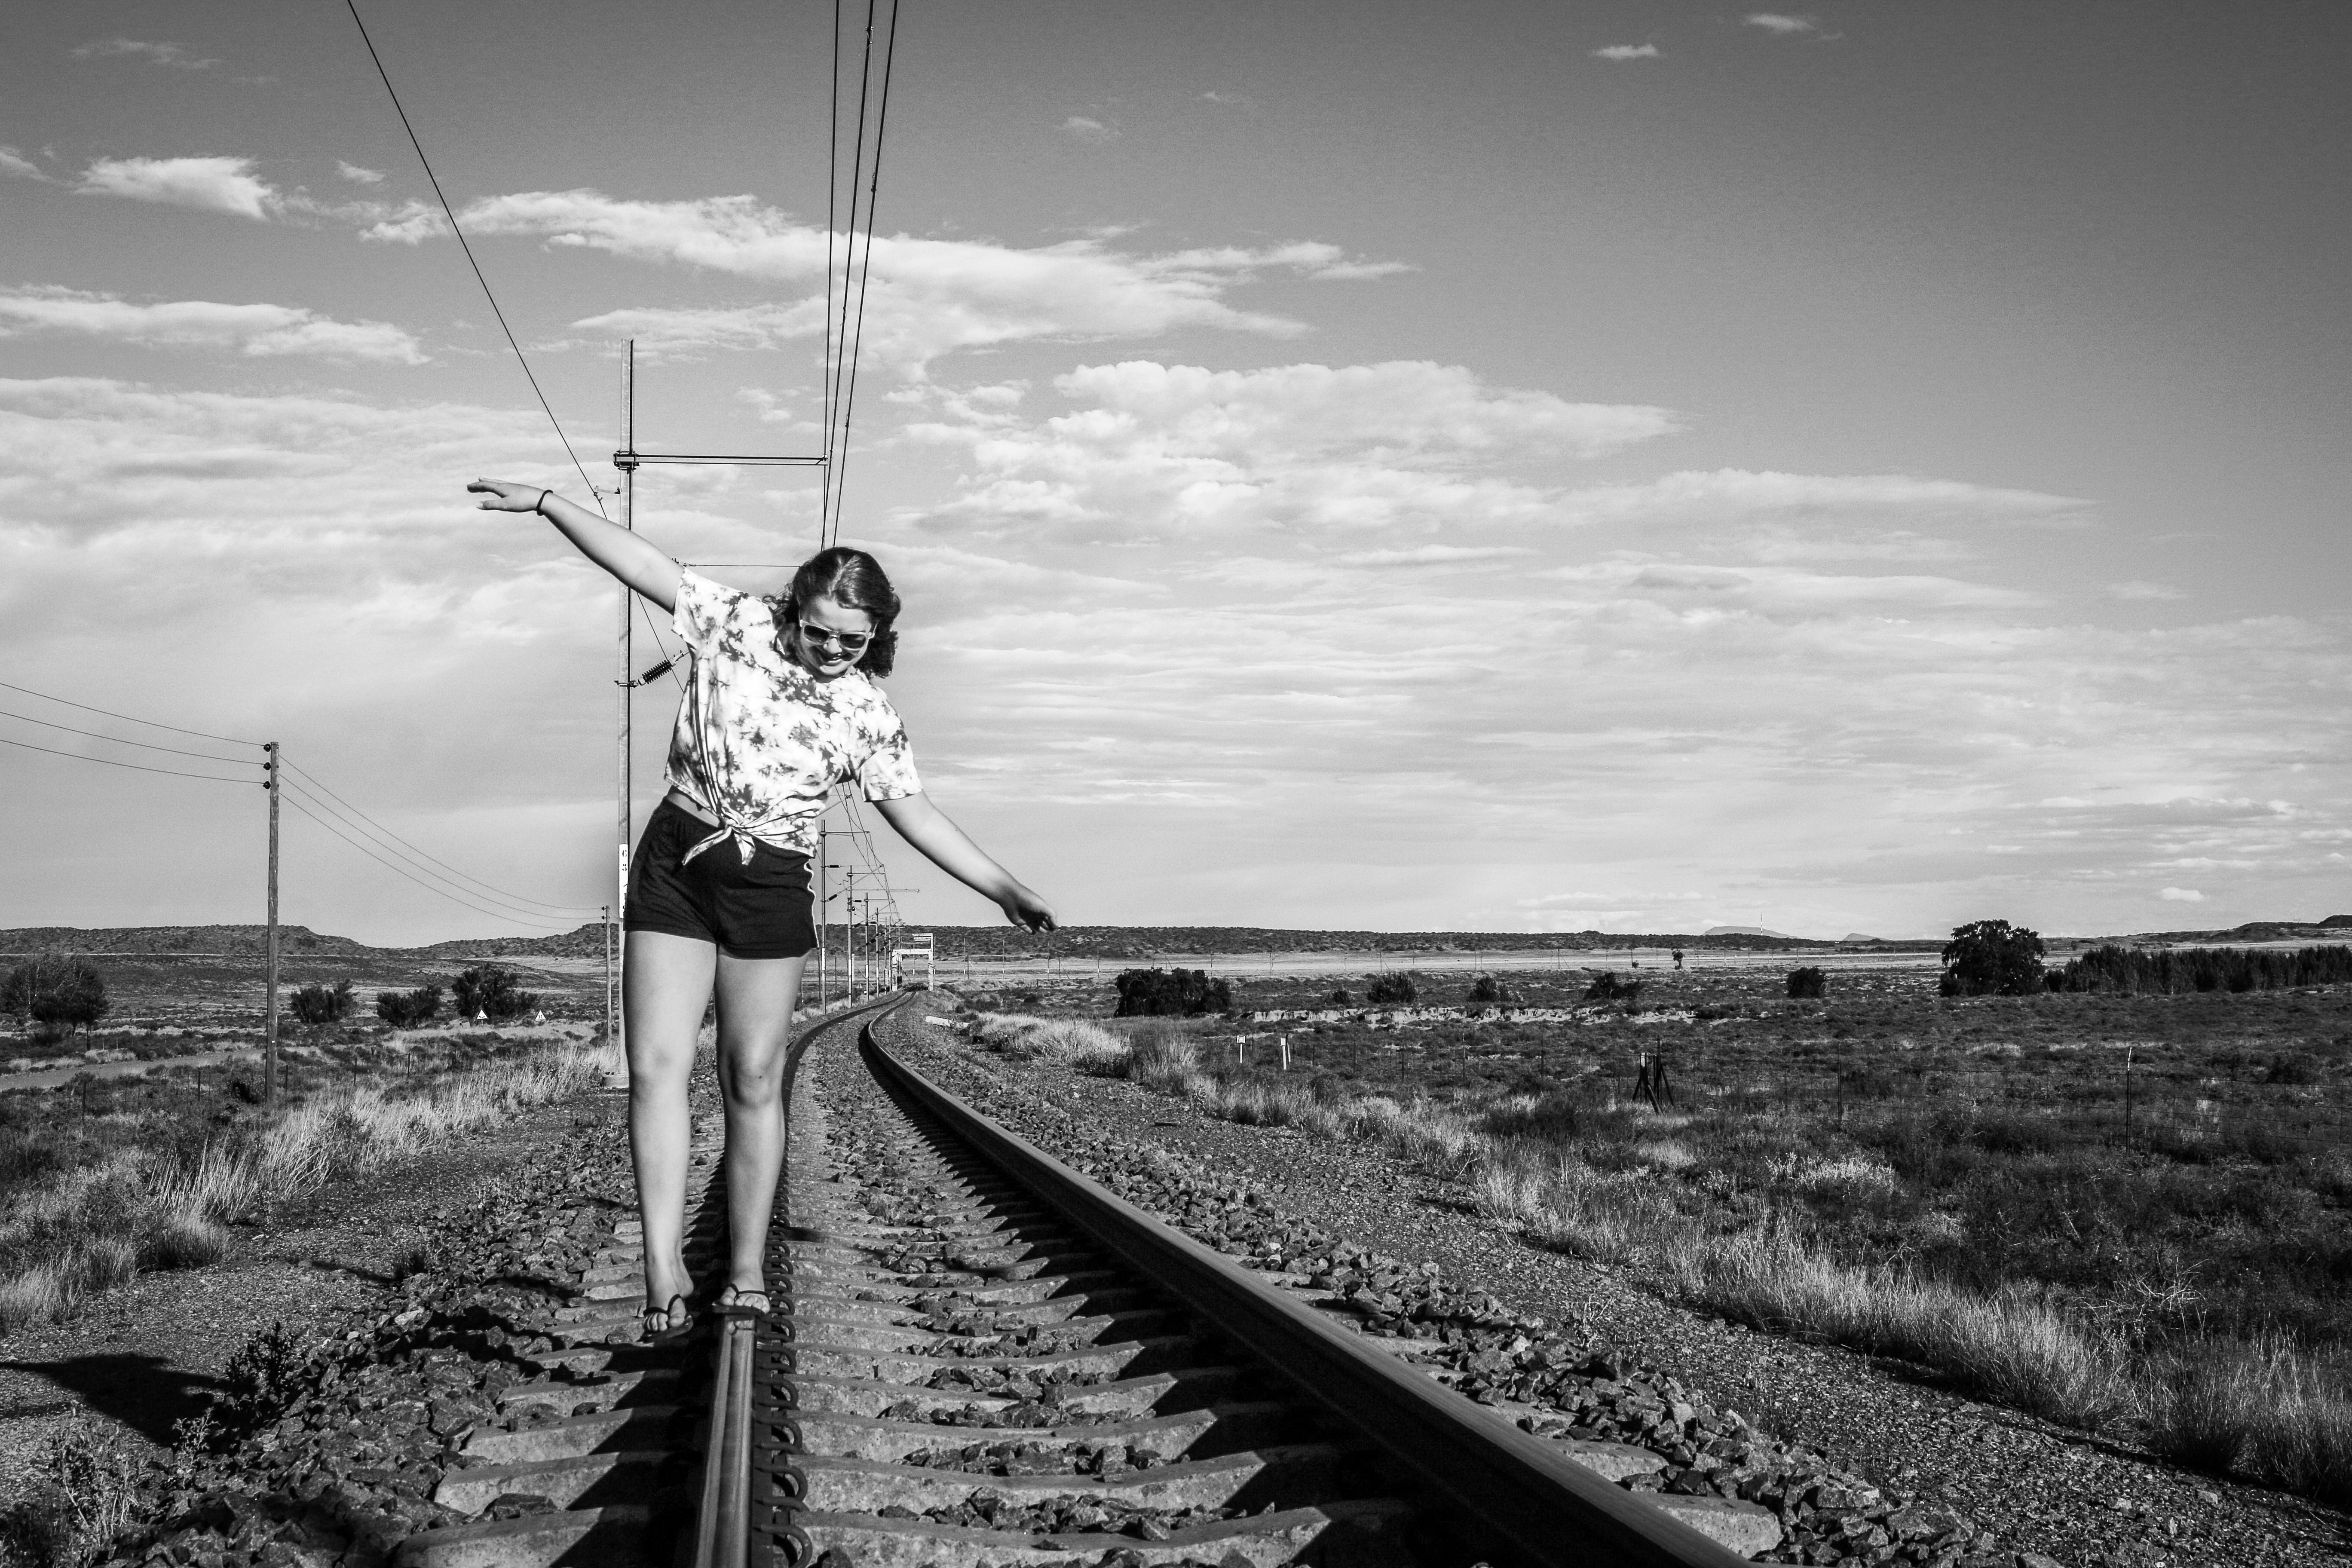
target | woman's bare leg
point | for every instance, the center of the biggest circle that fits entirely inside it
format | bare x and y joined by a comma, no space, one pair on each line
755,1023
665,986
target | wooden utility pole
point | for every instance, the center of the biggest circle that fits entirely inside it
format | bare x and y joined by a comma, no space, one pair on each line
626,459
611,1012
270,1013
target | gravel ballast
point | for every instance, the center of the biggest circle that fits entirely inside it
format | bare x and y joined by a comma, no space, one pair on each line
2013,1489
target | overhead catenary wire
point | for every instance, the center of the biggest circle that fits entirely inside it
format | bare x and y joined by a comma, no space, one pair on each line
451,213
837,471
479,889
121,741
845,334
137,767
150,723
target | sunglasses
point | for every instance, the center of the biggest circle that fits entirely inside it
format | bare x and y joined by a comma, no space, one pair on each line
848,642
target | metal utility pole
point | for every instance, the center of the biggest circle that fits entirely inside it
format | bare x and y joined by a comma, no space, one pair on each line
626,460
611,1012
270,1015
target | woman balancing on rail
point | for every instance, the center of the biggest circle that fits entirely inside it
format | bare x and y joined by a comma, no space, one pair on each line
782,706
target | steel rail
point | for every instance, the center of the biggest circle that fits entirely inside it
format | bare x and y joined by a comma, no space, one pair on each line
1539,1506
723,1525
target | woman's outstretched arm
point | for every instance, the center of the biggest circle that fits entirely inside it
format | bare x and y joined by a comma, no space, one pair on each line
945,845
628,556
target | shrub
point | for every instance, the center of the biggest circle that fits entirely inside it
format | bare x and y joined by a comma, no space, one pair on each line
85,1491
408,1009
56,991
2128,972
317,1006
1160,1055
488,991
1607,987
1390,989
1991,958
1488,991
257,1388
1809,984
1340,998
1170,993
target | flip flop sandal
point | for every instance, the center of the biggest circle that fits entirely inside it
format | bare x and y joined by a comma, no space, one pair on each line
737,1302
668,1324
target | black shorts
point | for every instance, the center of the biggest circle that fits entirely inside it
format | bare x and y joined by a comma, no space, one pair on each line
759,910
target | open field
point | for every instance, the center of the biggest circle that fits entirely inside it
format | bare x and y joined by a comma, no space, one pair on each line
2127,1213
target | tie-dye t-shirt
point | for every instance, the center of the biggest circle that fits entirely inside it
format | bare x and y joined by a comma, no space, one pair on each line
761,740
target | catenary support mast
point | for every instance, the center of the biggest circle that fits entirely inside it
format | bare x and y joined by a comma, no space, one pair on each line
626,460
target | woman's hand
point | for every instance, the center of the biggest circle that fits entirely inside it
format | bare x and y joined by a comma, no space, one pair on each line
497,495
1023,908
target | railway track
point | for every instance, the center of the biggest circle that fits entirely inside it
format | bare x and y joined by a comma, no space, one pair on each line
979,1357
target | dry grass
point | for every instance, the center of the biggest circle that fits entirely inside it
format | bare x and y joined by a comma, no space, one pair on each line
2011,1347
89,1229
2265,1411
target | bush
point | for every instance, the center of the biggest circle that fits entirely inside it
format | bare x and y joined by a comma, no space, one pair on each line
1340,998
2128,972
1392,989
1488,991
1992,958
488,991
56,991
85,1490
1607,987
316,1005
1170,993
1809,984
407,1009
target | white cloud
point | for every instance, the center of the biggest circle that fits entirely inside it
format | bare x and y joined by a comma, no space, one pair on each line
1740,495
154,54
2143,591
1782,24
219,185
1093,132
1432,555
2182,895
357,175
260,331
12,162
931,296
411,223
685,333
1628,52
1154,450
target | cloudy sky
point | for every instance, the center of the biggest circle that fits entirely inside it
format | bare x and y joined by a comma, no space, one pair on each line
1501,466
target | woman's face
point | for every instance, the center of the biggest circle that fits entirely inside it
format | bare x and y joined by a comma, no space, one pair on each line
830,636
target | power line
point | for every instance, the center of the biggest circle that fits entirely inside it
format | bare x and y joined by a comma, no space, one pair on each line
353,5
428,878
428,887
225,739
486,889
117,740
136,767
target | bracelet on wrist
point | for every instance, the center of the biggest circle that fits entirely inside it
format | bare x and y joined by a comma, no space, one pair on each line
539,506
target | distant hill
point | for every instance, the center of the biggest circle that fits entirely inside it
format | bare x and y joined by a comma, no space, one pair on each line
2334,928
293,942
1121,942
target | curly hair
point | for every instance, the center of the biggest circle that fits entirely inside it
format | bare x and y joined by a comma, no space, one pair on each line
856,581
